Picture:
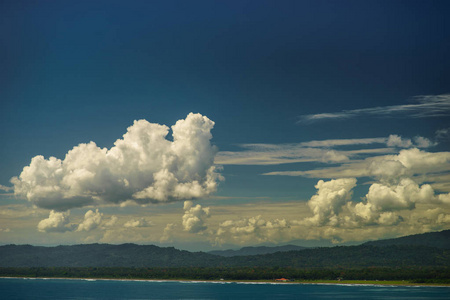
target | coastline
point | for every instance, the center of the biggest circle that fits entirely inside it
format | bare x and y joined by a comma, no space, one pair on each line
307,282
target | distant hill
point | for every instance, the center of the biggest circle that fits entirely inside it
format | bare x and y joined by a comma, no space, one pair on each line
350,257
101,255
396,253
432,239
130,255
256,250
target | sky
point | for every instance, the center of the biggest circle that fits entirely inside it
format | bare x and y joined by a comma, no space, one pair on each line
221,124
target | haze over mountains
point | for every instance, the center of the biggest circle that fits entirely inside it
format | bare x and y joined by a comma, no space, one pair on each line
433,239
430,249
256,250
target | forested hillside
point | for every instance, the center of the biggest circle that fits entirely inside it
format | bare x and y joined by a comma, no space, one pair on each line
101,255
432,239
130,255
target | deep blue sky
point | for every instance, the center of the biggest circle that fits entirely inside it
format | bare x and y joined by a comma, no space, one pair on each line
75,71
79,71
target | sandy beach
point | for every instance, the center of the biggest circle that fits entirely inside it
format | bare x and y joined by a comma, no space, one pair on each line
318,282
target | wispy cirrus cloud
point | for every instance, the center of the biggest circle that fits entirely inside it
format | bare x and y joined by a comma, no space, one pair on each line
324,151
343,142
424,106
423,166
6,188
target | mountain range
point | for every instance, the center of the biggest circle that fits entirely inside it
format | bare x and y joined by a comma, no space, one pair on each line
432,239
256,250
430,249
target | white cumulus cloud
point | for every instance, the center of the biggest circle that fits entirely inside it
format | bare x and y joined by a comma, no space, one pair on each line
91,221
111,222
136,223
387,200
331,196
419,142
143,166
398,197
397,141
254,229
167,233
56,222
194,217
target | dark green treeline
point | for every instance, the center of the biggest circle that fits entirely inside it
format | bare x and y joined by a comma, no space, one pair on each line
414,274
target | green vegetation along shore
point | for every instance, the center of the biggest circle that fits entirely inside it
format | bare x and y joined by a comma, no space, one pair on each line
397,276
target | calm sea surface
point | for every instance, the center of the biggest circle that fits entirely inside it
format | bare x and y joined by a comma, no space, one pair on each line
110,289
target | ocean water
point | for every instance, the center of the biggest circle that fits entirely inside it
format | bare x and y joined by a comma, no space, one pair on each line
80,289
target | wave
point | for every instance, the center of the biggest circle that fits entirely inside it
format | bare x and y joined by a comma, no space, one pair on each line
254,282
205,281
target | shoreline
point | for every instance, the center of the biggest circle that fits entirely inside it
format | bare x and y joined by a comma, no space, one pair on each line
308,282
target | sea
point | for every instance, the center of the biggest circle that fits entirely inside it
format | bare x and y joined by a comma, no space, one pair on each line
80,289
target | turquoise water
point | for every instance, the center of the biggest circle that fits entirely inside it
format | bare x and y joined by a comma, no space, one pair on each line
111,289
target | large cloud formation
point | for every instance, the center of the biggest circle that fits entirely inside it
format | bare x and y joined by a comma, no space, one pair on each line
330,198
143,166
56,222
194,217
395,192
91,221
